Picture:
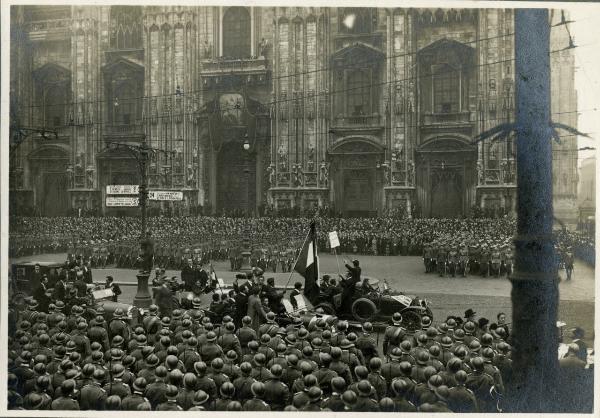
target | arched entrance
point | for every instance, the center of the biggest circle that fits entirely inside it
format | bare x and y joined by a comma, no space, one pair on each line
355,183
50,180
446,177
235,188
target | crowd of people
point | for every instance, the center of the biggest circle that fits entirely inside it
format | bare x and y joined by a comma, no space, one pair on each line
68,359
376,236
448,246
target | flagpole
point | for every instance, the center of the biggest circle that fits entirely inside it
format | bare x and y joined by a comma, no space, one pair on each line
337,260
296,262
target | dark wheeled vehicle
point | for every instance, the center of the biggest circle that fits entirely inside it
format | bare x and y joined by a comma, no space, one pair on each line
23,285
23,273
377,302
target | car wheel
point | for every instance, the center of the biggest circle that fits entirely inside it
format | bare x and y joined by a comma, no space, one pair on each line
363,309
327,308
411,319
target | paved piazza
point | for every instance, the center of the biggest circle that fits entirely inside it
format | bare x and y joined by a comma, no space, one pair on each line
448,296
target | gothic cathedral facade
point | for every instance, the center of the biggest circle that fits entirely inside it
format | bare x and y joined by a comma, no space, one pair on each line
364,110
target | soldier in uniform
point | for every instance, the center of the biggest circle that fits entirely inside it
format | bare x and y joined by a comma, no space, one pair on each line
92,396
277,394
427,256
132,402
453,258
66,401
393,334
569,263
440,260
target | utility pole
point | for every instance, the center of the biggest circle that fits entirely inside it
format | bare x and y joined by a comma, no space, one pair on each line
535,281
142,153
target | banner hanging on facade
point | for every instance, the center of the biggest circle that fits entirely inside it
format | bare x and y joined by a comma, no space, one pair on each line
122,189
164,195
112,201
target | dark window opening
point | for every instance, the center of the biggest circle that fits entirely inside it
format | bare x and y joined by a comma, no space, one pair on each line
236,33
446,89
125,103
358,96
54,104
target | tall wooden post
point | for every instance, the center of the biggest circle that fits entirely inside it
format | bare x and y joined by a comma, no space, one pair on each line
535,281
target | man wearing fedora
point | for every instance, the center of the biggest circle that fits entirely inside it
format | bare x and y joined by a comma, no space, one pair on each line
110,284
470,315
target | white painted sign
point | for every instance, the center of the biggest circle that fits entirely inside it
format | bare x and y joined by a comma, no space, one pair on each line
300,303
103,294
112,201
122,189
333,239
164,195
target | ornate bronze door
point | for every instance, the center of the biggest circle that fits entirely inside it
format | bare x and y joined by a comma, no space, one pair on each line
358,190
233,187
54,199
446,194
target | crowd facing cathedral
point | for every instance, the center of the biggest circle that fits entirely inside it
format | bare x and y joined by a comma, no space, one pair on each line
68,356
461,245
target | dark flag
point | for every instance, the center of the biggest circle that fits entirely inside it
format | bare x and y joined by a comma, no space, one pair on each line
308,264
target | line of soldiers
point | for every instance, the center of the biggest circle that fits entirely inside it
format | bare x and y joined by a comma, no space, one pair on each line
460,256
61,361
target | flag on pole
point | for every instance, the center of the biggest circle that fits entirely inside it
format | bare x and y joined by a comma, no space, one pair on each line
307,264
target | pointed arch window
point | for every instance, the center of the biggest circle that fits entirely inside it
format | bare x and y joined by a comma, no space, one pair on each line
237,32
55,99
126,27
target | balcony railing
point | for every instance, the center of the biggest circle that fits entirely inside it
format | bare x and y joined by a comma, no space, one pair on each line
123,130
232,65
48,25
49,29
359,121
441,118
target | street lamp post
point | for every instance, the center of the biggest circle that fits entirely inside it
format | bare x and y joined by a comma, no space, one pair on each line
246,240
142,153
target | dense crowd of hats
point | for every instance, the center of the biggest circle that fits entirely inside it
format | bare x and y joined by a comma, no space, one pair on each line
63,361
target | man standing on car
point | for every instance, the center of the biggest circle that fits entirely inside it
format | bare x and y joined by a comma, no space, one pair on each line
349,283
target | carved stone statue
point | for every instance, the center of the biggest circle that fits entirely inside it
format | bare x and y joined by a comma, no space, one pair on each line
311,157
263,48
282,152
505,173
410,172
386,174
191,175
70,176
399,100
297,175
480,177
207,49
272,175
90,177
324,174
411,96
398,150
166,175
